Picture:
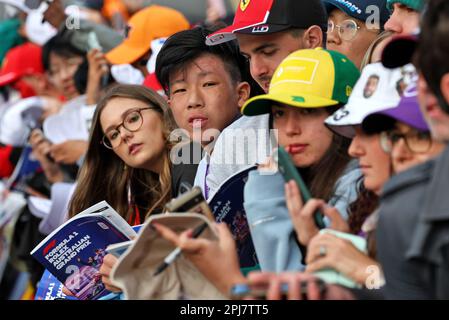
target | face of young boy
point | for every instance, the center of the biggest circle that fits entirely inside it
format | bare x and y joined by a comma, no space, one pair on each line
203,96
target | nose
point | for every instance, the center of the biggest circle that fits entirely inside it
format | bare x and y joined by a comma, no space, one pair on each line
356,149
65,75
258,67
195,99
333,38
125,134
292,124
394,23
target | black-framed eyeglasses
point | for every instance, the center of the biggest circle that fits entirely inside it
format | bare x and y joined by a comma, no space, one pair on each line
132,122
416,141
347,30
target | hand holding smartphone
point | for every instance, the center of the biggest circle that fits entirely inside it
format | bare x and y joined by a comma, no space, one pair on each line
289,172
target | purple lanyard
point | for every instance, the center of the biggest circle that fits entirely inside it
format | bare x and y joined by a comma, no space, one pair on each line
206,187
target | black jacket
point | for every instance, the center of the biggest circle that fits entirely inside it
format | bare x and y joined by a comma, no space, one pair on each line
413,232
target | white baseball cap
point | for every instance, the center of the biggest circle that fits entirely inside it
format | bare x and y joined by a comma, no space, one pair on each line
377,89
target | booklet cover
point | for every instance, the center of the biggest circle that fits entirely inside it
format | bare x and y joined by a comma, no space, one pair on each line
227,206
74,252
50,288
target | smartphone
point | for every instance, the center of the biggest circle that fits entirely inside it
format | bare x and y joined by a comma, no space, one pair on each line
289,172
191,201
259,291
92,41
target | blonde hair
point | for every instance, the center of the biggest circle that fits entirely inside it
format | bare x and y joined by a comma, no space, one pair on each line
367,59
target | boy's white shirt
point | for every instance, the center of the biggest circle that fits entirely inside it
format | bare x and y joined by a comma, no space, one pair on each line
200,177
218,172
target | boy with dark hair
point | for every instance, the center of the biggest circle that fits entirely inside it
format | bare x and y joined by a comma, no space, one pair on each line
267,32
205,87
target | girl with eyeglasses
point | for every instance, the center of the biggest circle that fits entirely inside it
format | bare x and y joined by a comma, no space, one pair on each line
409,142
128,160
352,29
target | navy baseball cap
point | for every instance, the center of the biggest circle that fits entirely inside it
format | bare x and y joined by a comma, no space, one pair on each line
360,9
400,49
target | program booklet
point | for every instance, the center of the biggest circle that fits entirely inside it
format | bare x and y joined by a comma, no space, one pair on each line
74,252
227,206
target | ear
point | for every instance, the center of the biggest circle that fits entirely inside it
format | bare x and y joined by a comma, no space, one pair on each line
243,91
444,87
313,38
42,81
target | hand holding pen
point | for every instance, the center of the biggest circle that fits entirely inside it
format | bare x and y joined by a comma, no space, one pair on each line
216,259
177,252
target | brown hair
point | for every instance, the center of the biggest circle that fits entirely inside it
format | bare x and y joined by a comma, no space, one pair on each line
104,176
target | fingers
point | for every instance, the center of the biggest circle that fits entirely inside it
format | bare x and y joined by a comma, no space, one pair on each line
313,290
225,236
109,260
166,233
257,277
109,285
337,221
319,264
108,264
311,207
268,166
67,292
183,240
274,289
97,61
293,199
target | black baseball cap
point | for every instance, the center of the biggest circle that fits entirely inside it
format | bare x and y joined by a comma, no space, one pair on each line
260,17
399,50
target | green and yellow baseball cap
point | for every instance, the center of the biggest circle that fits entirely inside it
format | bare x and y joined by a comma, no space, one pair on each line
309,78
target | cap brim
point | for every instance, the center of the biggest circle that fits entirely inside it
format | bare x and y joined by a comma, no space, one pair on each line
346,131
399,51
353,115
262,104
228,33
411,117
125,54
8,78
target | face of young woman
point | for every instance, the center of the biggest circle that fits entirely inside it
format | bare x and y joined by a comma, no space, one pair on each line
374,162
142,148
302,133
424,149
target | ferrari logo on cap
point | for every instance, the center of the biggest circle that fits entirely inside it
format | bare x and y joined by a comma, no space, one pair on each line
244,4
